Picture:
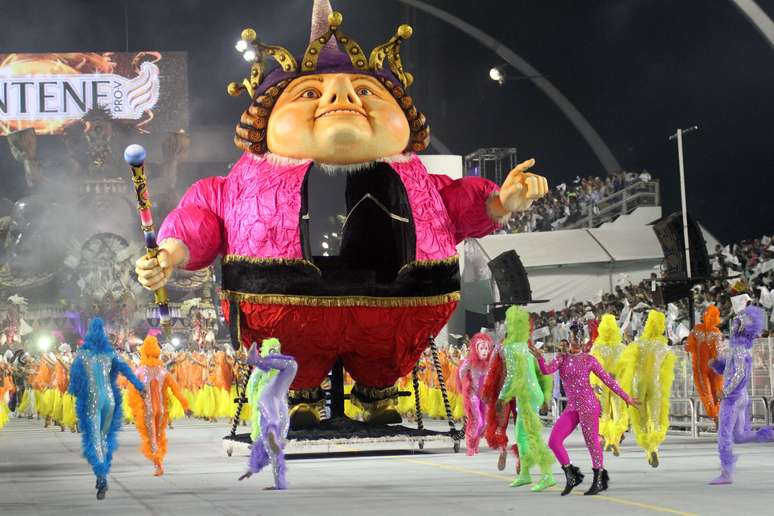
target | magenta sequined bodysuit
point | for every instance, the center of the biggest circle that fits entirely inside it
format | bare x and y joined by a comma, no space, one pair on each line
582,404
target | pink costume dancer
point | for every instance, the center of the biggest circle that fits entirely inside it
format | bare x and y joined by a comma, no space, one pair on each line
582,407
471,375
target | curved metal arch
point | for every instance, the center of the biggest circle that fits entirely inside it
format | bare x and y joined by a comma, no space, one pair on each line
757,17
593,139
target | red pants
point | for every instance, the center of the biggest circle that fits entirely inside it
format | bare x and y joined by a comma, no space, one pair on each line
377,345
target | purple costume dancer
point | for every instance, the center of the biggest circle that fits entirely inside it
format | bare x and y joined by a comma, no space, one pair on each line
471,377
273,405
582,407
736,366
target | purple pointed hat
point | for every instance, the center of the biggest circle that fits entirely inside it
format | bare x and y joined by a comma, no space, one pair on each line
324,55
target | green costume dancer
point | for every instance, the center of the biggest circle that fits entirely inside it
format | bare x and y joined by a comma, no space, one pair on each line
524,384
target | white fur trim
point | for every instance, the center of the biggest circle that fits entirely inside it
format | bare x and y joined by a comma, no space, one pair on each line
398,158
278,160
332,168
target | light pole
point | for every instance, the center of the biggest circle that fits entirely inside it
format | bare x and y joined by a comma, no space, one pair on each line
679,136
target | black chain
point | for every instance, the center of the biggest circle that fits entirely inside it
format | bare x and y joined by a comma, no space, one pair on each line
417,403
241,398
452,429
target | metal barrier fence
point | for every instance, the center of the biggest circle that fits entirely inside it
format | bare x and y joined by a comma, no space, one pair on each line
687,415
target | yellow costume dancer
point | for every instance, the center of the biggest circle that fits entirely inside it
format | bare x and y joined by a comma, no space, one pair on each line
609,351
150,406
652,366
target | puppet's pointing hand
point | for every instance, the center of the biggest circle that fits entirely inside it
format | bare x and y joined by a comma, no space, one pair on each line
519,191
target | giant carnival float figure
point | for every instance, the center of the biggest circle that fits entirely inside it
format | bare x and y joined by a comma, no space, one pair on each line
471,374
702,345
735,405
93,377
651,366
608,350
395,281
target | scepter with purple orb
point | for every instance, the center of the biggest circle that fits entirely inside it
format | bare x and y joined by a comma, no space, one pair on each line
134,155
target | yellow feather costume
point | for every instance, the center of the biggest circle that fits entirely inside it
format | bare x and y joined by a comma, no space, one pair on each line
652,367
609,351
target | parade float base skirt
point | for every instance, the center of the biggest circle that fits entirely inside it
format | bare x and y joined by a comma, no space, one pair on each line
345,431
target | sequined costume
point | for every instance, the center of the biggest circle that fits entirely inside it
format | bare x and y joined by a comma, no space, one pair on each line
522,384
471,375
272,410
703,346
151,407
735,407
582,407
93,378
652,366
608,350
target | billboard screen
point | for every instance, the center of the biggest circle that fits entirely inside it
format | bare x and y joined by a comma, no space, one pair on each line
48,92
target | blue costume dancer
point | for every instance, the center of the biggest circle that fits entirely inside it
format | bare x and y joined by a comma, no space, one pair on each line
736,367
98,399
271,380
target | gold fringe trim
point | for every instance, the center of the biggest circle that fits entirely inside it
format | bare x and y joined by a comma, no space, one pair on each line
236,258
429,263
340,301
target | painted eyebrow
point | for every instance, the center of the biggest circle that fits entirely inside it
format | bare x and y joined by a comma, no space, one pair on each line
304,81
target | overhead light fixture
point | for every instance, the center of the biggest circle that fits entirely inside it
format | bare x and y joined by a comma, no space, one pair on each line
497,75
241,45
249,55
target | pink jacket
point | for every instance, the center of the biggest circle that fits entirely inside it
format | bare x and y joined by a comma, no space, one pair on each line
255,210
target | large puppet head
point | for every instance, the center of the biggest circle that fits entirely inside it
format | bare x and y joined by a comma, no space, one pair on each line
150,352
517,324
711,318
655,326
96,340
746,326
334,104
609,333
480,346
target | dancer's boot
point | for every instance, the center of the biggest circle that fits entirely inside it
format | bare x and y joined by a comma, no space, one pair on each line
596,484
574,478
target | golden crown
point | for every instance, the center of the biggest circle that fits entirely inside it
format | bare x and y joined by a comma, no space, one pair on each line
257,52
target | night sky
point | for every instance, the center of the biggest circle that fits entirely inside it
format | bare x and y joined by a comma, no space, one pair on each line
636,69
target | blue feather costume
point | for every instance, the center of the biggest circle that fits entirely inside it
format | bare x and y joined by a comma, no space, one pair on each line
98,399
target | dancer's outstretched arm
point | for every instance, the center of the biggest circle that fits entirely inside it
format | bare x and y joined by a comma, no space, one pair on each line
608,380
718,365
123,368
549,368
172,384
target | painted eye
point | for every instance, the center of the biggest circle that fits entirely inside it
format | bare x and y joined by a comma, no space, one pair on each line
311,93
363,91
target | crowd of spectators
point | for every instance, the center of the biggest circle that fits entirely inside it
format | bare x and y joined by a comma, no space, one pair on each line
749,266
567,204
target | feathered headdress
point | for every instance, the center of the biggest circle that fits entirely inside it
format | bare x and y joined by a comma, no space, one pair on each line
517,324
150,352
655,326
609,333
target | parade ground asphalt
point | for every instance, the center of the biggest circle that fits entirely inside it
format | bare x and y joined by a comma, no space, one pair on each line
42,473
